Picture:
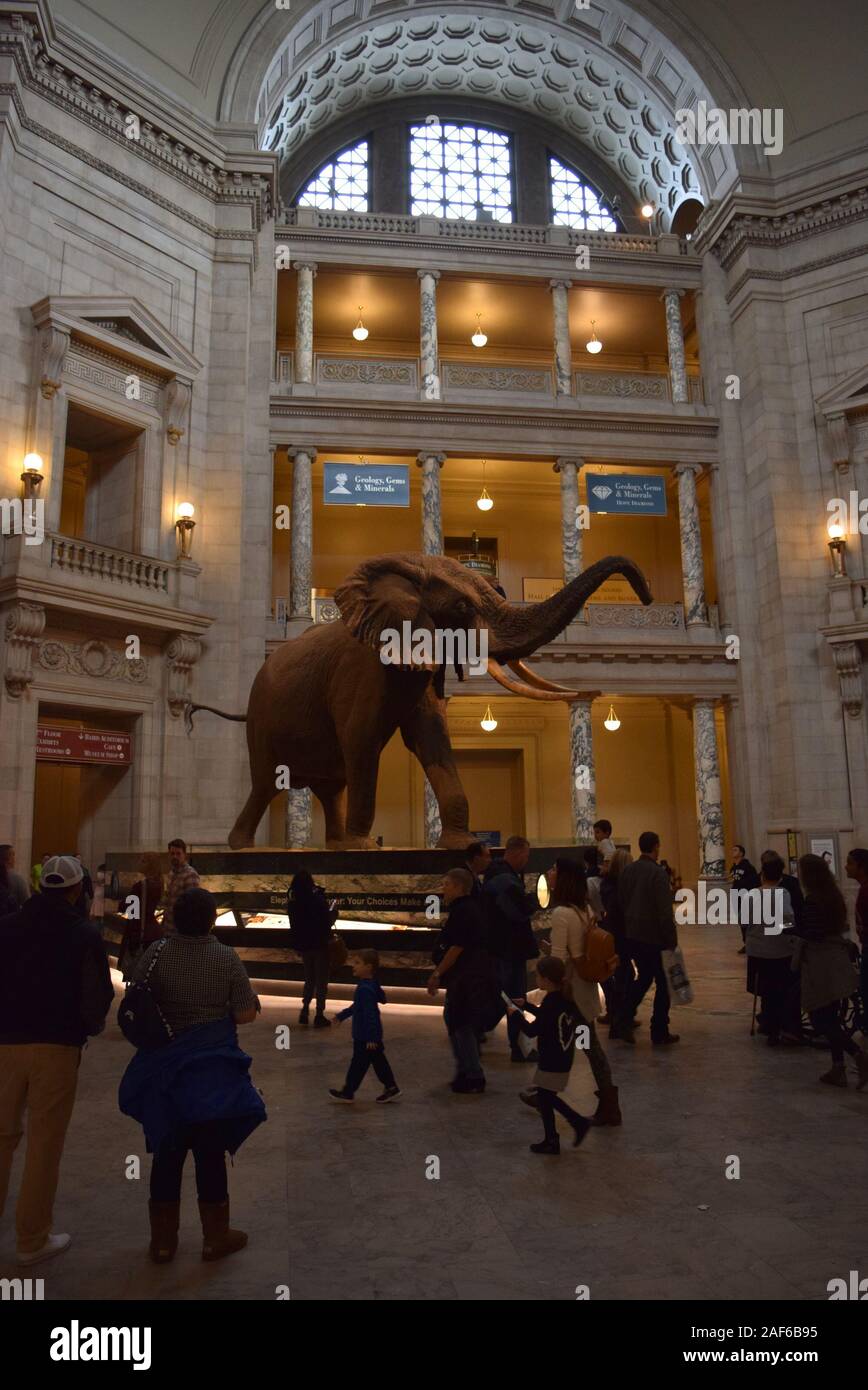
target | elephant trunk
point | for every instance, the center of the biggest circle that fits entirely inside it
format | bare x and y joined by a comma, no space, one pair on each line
516,632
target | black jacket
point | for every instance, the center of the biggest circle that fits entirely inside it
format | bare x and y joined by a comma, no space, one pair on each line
310,922
55,985
554,1028
471,991
508,910
646,902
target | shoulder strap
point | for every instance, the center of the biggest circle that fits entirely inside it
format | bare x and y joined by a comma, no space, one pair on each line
155,957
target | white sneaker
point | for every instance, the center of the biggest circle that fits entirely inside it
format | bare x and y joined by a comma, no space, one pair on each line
55,1245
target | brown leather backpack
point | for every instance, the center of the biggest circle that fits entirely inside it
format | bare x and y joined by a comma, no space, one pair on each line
599,960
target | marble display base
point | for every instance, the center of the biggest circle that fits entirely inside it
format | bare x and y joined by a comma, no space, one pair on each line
381,897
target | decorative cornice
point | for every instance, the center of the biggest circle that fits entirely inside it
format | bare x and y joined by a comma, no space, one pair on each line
22,38
434,420
743,228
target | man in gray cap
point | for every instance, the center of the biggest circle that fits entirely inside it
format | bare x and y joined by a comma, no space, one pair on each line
55,992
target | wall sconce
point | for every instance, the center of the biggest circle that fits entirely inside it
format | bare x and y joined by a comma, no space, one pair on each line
184,527
483,501
593,344
611,722
488,721
360,332
479,338
838,548
32,477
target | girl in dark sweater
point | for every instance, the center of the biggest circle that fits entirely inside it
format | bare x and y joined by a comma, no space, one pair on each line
554,1027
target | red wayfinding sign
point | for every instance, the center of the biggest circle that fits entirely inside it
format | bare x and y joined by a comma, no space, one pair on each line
82,746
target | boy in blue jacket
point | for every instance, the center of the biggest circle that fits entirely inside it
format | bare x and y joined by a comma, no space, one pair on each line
367,1032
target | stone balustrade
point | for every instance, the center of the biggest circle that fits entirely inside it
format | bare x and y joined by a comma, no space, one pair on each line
101,562
626,617
455,229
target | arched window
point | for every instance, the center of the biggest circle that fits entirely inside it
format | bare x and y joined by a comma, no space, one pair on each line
574,204
342,184
461,171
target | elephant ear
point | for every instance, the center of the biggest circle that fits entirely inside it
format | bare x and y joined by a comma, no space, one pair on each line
382,594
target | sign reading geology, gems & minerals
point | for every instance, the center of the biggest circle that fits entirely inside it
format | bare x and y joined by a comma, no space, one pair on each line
370,485
636,494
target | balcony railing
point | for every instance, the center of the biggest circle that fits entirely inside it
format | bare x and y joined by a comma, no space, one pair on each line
623,617
400,377
454,229
101,562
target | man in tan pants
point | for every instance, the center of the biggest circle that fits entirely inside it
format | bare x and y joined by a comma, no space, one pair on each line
55,991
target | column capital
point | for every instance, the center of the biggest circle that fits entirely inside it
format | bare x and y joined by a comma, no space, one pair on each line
562,465
310,453
426,454
306,265
664,294
435,274
561,284
694,468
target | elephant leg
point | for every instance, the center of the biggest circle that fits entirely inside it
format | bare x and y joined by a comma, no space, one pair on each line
426,734
263,791
243,832
334,804
362,764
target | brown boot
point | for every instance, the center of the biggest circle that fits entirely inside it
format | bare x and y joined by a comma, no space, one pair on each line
165,1217
219,1240
608,1111
836,1077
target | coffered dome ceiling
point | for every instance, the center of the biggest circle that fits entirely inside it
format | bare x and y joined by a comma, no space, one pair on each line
616,94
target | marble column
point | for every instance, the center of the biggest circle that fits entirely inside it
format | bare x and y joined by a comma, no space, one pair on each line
428,349
563,351
303,360
571,535
675,340
709,805
432,517
301,533
298,817
433,826
583,784
692,566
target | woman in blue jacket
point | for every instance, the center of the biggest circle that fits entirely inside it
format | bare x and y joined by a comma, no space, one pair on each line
194,1094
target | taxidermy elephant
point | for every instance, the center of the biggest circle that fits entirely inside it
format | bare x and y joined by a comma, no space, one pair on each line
325,704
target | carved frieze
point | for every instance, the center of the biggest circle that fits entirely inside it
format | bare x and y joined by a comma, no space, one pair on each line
94,658
349,371
466,377
109,378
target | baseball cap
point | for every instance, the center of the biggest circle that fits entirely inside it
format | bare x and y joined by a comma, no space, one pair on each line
61,871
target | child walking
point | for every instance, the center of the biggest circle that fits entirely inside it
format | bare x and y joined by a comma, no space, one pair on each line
554,1028
367,1032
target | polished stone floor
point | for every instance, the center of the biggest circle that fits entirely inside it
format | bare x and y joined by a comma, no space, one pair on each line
338,1204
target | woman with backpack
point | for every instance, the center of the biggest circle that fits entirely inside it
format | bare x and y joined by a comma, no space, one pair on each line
572,924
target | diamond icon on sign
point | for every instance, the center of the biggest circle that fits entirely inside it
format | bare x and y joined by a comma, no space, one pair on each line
602,492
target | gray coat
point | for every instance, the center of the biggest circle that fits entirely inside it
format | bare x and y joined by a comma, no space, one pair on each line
828,972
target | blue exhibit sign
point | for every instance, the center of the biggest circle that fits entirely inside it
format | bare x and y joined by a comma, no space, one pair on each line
369,485
636,494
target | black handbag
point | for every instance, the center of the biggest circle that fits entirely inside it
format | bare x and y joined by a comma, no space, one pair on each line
140,1017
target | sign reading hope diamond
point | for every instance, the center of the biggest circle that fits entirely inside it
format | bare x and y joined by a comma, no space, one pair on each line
639,494
371,485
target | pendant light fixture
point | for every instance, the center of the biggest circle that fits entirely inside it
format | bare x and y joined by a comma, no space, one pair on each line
360,332
611,722
479,338
488,721
483,501
593,344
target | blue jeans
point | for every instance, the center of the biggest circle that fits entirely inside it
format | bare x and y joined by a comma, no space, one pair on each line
465,1047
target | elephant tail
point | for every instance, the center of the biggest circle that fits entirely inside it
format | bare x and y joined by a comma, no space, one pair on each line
190,709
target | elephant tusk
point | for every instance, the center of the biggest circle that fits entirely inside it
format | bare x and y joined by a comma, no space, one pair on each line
518,687
539,682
